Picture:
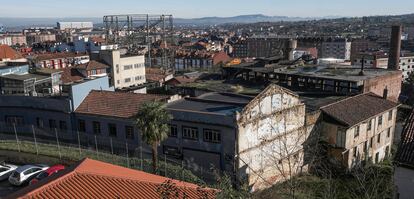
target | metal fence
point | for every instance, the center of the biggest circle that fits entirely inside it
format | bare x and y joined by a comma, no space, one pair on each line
73,145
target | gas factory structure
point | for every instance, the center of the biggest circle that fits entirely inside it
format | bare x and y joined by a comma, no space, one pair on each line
151,34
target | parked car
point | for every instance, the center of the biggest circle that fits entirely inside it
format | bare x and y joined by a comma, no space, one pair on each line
6,170
48,172
24,174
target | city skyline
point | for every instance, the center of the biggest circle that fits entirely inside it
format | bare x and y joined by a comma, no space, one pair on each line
191,8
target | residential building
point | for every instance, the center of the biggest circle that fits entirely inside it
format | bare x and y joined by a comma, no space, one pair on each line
362,45
120,182
359,128
380,60
404,161
8,54
199,60
336,48
33,38
127,70
29,84
260,47
58,60
93,69
4,40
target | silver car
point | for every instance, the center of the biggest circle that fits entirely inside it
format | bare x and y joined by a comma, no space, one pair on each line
24,174
6,170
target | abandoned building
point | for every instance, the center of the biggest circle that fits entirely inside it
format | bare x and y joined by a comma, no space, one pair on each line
231,131
346,80
359,128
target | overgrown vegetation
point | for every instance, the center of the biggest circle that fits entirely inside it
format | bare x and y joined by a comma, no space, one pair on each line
72,154
365,182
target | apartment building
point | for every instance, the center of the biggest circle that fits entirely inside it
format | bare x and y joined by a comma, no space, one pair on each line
126,70
58,60
359,128
336,48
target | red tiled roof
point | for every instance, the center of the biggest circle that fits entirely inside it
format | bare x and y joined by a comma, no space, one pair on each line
7,52
95,179
70,75
405,152
359,108
115,104
92,65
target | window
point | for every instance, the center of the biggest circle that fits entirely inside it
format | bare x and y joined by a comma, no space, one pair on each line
390,115
62,125
112,130
379,138
39,122
137,78
52,124
128,67
366,146
127,80
356,131
212,136
129,132
16,120
377,158
190,133
173,131
388,132
369,125
355,151
81,126
173,151
380,120
387,151
96,127
371,142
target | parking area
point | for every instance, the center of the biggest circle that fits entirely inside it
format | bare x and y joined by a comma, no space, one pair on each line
6,188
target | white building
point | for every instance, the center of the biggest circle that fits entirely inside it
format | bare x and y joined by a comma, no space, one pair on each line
126,70
5,40
75,25
339,49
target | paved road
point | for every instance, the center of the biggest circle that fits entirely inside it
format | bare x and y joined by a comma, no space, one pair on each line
6,188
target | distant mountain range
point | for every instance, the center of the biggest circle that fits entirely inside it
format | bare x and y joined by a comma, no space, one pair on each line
29,22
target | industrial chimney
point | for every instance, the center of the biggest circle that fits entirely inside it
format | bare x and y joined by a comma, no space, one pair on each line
395,48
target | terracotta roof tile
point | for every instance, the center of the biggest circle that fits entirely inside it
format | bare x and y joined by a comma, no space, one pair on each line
95,179
92,65
359,108
7,52
115,104
405,152
70,75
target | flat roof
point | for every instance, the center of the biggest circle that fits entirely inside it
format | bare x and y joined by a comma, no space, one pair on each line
217,103
25,77
338,72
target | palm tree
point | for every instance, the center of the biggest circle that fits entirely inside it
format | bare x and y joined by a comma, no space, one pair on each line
152,121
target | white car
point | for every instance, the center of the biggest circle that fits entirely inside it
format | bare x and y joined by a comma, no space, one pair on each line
6,170
24,174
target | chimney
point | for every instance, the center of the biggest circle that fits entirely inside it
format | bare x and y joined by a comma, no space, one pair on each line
395,48
385,94
361,73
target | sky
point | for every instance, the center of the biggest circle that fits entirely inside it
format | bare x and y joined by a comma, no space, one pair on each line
204,8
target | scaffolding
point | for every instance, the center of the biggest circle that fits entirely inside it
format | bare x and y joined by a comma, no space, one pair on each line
138,31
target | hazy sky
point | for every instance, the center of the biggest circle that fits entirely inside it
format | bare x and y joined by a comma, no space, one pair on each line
201,8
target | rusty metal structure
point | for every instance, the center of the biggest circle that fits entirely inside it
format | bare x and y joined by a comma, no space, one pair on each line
138,31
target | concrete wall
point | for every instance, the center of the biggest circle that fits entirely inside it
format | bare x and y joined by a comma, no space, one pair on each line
404,180
271,134
79,91
391,81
